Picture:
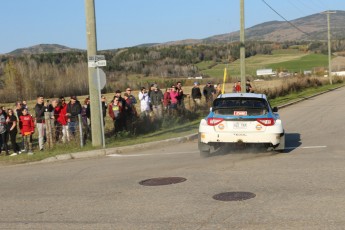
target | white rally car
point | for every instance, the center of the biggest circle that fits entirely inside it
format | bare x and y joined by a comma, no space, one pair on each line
241,118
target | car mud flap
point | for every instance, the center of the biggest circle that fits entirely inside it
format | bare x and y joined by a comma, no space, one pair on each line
202,146
281,146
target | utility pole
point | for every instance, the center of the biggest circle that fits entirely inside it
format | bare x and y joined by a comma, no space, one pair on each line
95,103
329,46
242,49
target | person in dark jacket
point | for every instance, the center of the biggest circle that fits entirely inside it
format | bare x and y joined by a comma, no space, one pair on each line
208,92
12,131
86,119
104,107
249,87
122,101
40,108
196,95
3,132
157,99
73,110
116,112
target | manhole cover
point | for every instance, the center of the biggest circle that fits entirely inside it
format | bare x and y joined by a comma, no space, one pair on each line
234,196
162,181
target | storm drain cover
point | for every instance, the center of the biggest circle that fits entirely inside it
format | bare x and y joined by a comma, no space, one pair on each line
162,181
234,196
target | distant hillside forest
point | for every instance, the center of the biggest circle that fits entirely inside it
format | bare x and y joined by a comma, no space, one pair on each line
53,75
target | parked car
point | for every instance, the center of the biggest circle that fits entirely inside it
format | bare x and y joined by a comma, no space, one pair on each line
241,118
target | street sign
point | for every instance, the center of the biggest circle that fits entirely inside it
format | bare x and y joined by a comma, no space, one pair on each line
96,58
101,63
94,64
96,61
99,73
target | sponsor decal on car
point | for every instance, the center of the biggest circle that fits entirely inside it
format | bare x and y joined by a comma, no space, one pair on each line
221,126
240,113
258,127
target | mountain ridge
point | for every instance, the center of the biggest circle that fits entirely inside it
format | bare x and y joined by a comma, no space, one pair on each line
309,28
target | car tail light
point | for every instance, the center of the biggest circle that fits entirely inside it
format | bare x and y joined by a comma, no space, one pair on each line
214,121
266,121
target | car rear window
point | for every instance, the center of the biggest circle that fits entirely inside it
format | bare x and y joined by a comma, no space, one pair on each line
240,106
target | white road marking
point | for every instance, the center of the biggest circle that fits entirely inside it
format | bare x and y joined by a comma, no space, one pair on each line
307,147
148,154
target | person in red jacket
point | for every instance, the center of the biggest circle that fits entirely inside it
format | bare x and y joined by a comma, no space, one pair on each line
166,99
238,87
61,120
27,128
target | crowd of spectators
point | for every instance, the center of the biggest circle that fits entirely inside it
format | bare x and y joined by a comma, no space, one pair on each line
122,109
63,117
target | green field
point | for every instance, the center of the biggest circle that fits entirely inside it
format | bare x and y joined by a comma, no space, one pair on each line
308,62
291,60
288,60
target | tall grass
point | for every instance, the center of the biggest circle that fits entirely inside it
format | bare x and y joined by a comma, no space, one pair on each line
296,85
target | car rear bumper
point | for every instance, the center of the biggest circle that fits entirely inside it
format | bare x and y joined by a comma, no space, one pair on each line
273,138
269,134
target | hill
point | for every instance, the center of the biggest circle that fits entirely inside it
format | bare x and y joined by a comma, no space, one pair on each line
43,48
310,28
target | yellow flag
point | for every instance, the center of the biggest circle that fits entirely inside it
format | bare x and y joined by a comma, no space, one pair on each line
224,80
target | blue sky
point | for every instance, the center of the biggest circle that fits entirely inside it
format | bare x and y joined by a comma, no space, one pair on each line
124,23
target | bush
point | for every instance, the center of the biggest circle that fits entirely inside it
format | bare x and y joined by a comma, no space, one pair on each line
148,124
294,86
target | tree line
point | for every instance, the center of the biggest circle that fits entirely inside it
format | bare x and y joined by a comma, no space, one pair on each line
57,74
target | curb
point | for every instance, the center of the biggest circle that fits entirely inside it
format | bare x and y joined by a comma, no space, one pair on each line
147,145
117,150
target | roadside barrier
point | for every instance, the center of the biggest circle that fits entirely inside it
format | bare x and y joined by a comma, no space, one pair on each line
73,132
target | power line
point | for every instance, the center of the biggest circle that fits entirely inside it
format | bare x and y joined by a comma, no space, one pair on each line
321,4
286,19
297,7
309,5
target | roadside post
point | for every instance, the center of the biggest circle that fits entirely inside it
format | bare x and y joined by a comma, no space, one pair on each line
242,49
99,79
81,135
91,51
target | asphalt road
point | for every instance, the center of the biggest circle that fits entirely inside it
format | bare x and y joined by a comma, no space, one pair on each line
303,188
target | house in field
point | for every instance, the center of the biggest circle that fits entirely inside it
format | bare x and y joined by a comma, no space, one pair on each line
339,73
265,72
